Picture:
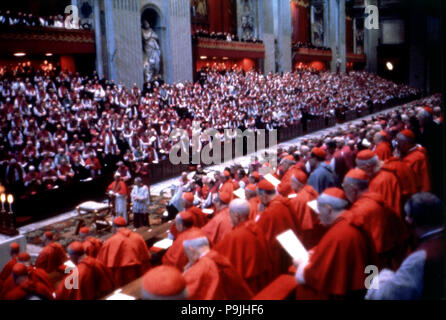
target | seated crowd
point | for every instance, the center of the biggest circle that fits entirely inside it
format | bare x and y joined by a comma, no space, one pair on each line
222,36
22,19
57,127
308,45
374,183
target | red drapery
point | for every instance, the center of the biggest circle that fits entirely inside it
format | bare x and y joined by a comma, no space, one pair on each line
301,22
221,13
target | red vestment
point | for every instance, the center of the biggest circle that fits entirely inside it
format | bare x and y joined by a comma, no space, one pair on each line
51,257
284,188
275,220
254,204
228,188
386,184
218,226
94,280
126,255
417,161
213,277
336,267
119,188
92,246
247,250
175,255
405,176
383,151
387,231
306,222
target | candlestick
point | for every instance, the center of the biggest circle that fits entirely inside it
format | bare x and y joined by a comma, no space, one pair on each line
10,201
3,200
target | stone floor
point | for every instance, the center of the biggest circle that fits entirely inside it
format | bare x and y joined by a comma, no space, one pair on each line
164,186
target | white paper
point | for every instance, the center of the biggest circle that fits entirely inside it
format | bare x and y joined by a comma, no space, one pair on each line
292,196
240,193
163,244
313,206
69,264
208,211
292,245
121,297
273,180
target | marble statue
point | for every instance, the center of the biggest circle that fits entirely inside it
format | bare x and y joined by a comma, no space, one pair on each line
152,52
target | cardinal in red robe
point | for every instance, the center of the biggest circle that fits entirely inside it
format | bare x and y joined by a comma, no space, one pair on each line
306,223
93,280
370,212
275,218
382,149
335,267
175,255
382,180
246,248
26,286
210,276
220,224
91,245
405,176
125,254
251,196
52,256
416,159
287,164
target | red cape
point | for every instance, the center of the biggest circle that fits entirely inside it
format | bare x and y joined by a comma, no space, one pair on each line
386,230
51,257
95,282
214,278
126,255
386,184
275,220
306,223
247,250
7,269
383,151
175,255
92,246
417,162
218,227
336,267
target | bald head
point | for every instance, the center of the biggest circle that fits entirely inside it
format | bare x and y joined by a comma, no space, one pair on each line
239,211
195,248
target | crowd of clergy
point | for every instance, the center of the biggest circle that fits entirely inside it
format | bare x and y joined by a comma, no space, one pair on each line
57,128
378,189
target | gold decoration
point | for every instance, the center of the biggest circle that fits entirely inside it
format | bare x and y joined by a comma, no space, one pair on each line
301,3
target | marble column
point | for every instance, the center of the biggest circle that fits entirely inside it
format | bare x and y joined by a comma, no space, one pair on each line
337,35
98,39
180,42
110,38
371,44
269,37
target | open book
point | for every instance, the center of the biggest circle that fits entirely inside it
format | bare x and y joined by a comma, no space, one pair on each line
163,244
240,193
292,245
273,180
207,211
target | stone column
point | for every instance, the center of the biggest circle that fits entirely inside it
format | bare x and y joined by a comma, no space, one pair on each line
337,35
268,37
284,38
110,37
98,39
371,44
180,42
342,40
